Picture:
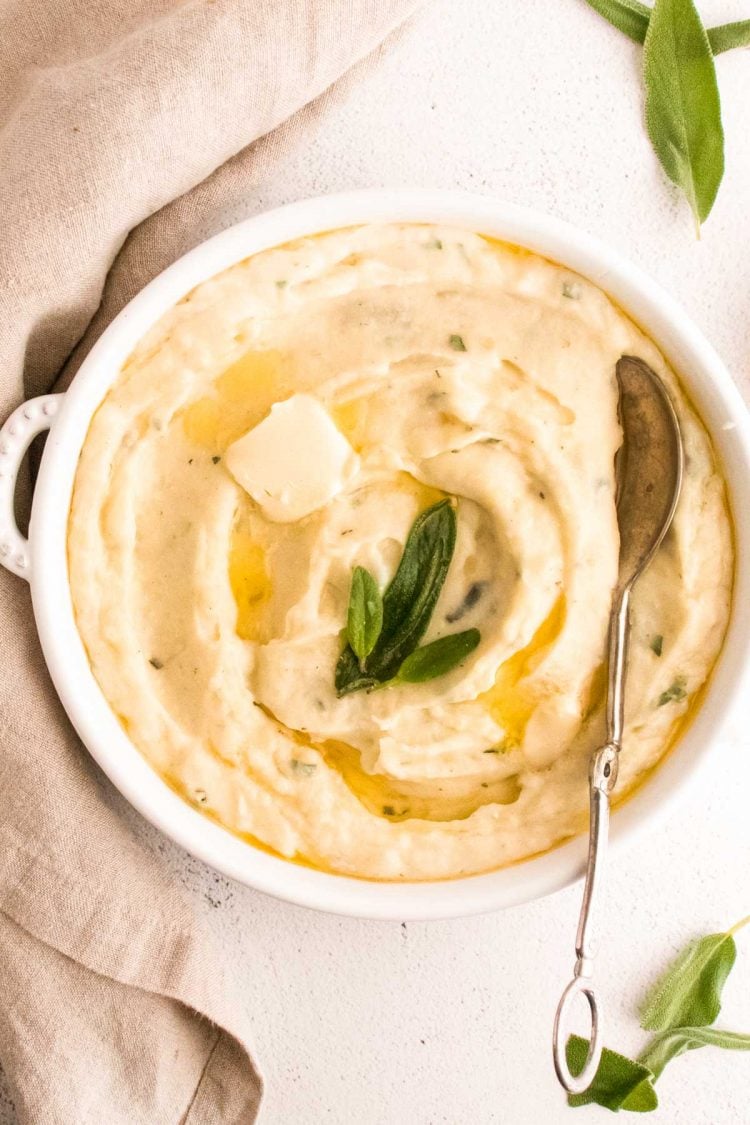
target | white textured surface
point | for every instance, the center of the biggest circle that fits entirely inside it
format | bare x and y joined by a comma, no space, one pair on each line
384,1024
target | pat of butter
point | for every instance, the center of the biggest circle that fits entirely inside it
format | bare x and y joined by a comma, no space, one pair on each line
294,461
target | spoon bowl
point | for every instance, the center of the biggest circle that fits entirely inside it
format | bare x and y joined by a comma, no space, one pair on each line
649,466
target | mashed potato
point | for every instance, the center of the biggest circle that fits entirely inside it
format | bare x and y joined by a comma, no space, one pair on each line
449,365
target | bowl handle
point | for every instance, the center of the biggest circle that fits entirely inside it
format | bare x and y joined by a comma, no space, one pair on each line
32,418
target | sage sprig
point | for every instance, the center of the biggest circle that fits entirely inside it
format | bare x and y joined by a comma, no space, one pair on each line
690,991
439,657
619,1082
677,1040
412,595
383,638
631,17
365,616
729,36
683,110
680,1008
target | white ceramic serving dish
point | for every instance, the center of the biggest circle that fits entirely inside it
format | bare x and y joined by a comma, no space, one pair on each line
43,559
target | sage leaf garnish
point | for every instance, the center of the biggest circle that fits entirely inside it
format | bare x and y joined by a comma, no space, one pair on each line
680,1008
410,598
349,676
728,36
632,18
683,112
619,1083
407,605
690,990
365,616
457,343
627,16
677,1040
657,644
439,657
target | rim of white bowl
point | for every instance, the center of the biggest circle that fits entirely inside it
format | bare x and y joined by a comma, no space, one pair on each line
704,374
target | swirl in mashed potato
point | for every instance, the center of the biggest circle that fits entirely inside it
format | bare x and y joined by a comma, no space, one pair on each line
451,365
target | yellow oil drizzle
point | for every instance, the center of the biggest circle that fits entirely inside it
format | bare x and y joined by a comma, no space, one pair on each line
250,582
240,398
382,796
510,248
456,798
506,701
349,418
202,423
620,798
597,690
424,495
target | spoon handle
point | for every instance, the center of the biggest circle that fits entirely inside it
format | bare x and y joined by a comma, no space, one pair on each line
602,775
602,778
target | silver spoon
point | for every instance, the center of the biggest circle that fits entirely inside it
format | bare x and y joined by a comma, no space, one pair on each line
649,474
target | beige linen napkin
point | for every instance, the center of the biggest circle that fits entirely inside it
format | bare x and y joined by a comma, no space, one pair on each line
126,133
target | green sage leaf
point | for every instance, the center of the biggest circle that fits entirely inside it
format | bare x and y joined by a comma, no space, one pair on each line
619,1083
689,993
411,596
632,18
349,676
683,112
408,602
677,1040
628,16
728,36
365,616
439,657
